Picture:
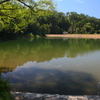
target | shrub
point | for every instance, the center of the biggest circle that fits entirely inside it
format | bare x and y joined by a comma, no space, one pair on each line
4,89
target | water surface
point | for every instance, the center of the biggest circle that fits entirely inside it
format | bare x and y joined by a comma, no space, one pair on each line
52,65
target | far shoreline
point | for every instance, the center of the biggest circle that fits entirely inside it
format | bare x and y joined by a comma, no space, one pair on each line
93,36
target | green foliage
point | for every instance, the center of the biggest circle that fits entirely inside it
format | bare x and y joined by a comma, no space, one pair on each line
30,34
19,17
4,89
82,24
88,28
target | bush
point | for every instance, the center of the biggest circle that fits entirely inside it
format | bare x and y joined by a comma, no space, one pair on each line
5,89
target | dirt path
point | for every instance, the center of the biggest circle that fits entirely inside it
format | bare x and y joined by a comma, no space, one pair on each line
74,36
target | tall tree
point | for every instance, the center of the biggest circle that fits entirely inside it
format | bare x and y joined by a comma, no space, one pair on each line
17,15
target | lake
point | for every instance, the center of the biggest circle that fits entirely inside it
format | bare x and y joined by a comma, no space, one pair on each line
52,65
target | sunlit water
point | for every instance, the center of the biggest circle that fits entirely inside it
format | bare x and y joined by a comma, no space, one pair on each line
52,65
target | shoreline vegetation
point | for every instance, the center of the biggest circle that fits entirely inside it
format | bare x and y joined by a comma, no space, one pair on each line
5,89
94,36
23,18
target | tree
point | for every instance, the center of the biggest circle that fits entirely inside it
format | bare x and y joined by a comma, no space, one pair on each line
88,29
18,15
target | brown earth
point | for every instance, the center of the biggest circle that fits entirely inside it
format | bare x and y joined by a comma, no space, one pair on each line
95,36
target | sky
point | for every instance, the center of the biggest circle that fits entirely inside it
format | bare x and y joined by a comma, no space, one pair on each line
87,7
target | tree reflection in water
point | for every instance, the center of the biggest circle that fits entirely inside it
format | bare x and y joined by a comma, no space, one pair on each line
18,52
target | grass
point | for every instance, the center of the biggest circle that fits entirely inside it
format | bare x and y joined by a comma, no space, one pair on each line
5,89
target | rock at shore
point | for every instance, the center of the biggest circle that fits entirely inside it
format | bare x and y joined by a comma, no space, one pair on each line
40,96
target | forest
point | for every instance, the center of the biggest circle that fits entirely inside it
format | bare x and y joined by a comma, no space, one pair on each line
22,18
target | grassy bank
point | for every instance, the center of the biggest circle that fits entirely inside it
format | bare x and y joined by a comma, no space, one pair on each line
5,89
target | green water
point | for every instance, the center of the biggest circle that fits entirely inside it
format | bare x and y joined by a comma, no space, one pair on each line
52,65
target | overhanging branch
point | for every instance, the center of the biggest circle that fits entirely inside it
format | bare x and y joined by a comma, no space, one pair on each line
4,1
26,5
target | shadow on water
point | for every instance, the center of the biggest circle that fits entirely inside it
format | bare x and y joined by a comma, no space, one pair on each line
53,81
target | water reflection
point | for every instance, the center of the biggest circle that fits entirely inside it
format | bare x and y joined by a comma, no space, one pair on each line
64,66
52,81
17,52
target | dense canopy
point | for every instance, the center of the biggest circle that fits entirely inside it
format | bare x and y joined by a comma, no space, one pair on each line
19,18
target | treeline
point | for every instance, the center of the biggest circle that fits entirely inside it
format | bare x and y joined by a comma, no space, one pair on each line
83,24
20,18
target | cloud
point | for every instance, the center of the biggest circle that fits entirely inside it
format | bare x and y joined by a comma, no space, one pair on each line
80,1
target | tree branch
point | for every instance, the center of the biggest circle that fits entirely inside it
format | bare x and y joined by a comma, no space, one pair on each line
26,5
21,1
4,1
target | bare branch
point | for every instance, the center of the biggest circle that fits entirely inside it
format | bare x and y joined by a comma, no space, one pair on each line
26,5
